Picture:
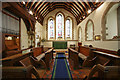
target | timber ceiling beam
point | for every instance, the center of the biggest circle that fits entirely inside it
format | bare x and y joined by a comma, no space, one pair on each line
4,5
47,9
43,3
34,5
38,6
31,4
79,8
43,9
22,11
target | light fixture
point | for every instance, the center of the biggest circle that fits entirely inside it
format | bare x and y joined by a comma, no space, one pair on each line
83,17
35,17
97,1
89,11
97,37
30,12
23,2
9,38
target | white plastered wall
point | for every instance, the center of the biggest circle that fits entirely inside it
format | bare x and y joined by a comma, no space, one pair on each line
38,31
24,35
96,17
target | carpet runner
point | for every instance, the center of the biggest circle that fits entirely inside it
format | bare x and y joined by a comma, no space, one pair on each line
60,56
61,69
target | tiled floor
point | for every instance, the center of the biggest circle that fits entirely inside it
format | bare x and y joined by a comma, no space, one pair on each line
76,74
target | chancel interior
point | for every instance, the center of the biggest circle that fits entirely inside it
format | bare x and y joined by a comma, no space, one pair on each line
60,40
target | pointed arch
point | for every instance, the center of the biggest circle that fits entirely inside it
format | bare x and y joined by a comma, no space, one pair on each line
60,31
51,28
68,28
89,30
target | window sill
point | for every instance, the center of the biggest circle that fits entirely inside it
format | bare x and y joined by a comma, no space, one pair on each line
111,40
60,40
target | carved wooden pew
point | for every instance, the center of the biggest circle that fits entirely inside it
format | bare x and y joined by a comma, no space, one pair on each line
46,57
79,57
37,51
26,60
90,58
104,73
114,60
106,51
16,72
97,58
84,50
11,60
73,55
103,59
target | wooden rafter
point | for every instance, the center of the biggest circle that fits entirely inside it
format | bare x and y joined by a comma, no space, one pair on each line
27,3
43,3
38,6
44,8
48,7
4,5
31,4
78,8
79,12
34,5
72,6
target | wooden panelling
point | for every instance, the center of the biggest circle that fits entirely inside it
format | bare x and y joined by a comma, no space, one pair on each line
84,50
37,51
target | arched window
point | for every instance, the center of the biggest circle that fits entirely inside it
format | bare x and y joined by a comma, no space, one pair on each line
80,34
111,23
68,27
51,31
89,34
59,26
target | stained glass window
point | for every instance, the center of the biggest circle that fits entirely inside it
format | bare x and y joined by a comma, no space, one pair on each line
59,26
62,30
50,29
68,25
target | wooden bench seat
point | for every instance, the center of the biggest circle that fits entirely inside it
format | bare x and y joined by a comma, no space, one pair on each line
11,60
94,57
90,66
82,56
47,56
40,56
26,60
16,72
104,72
79,57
